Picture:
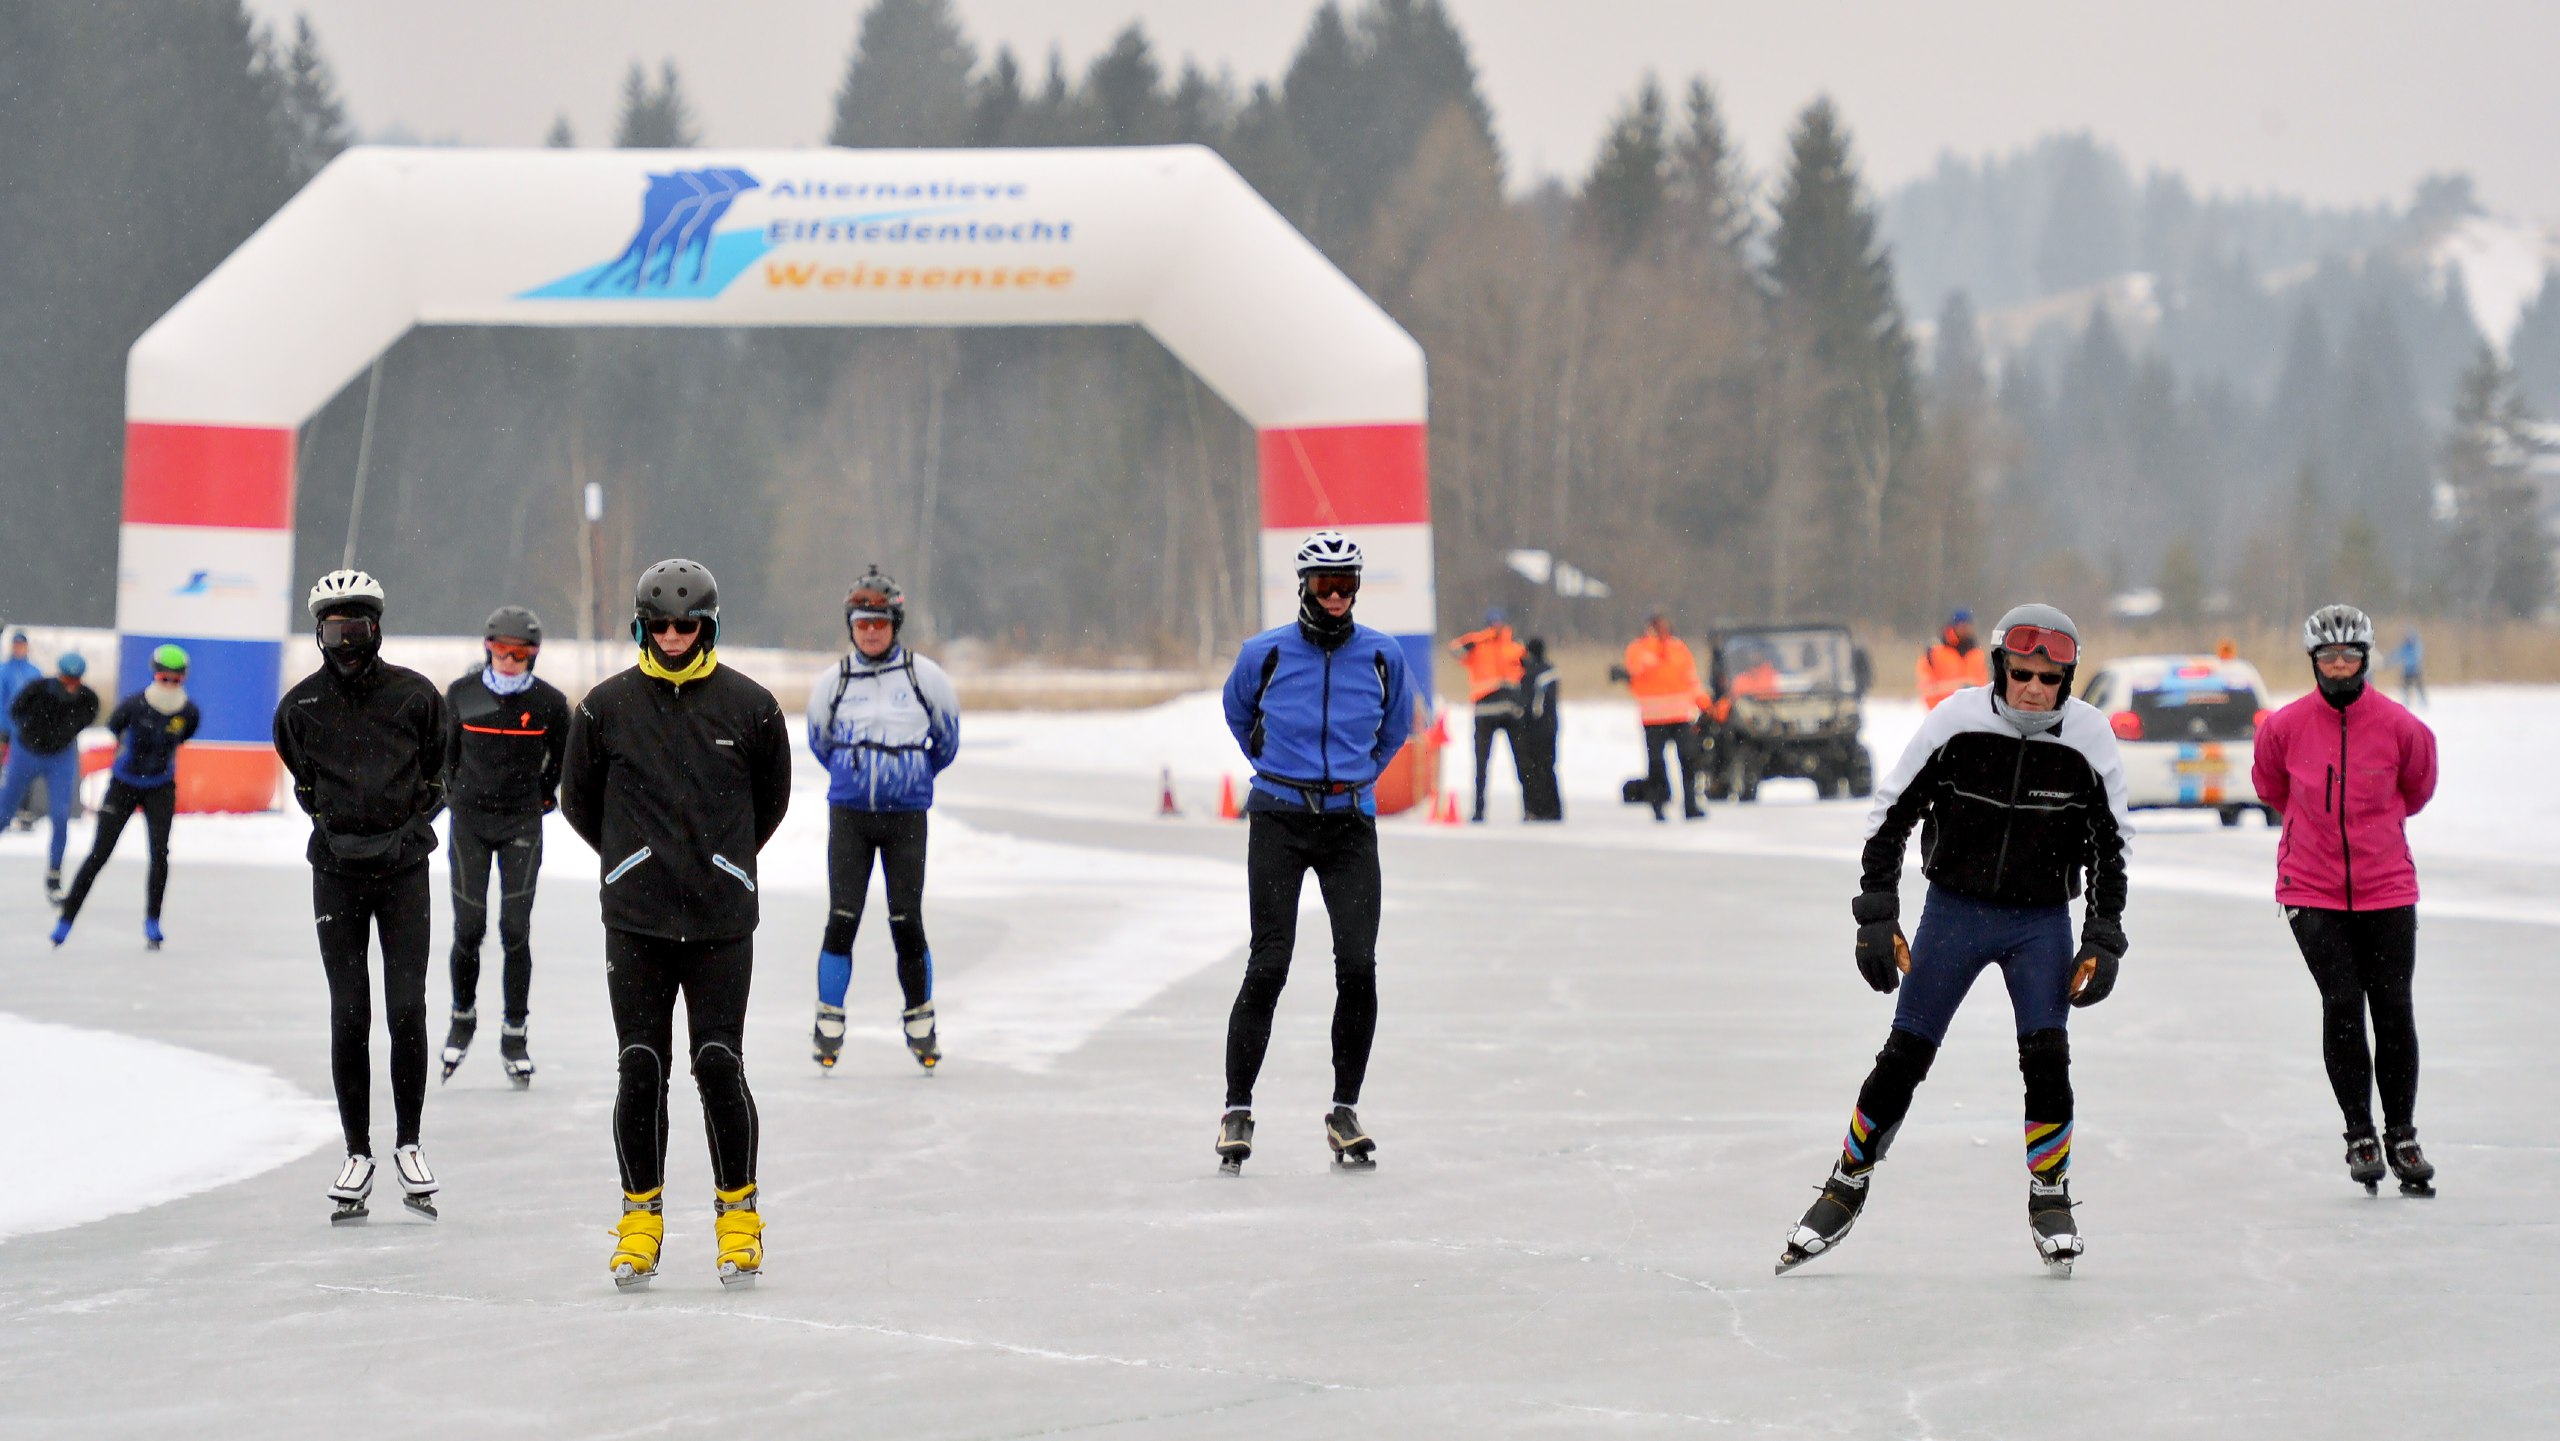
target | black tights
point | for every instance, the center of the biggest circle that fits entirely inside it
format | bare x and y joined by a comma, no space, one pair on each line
897,839
2363,961
1341,847
157,803
515,845
642,977
344,909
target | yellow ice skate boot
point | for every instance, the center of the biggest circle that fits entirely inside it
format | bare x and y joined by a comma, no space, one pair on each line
740,1230
637,1238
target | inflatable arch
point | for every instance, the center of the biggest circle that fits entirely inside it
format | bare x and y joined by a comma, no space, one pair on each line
1168,238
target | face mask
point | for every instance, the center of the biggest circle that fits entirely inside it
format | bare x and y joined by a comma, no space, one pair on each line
165,697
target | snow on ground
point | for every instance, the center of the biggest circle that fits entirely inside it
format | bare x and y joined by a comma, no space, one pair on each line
99,1124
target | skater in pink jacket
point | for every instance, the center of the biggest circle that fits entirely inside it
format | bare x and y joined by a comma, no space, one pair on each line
2347,766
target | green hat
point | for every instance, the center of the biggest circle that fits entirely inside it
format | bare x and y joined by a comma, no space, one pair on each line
169,657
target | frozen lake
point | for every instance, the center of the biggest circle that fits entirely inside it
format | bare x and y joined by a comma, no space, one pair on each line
1614,1060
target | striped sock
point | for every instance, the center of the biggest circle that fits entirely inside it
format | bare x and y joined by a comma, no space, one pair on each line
2048,1149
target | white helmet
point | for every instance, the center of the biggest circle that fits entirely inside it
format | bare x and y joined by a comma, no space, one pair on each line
1329,550
341,588
2337,625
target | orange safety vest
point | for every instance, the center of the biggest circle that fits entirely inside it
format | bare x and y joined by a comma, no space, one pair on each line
1943,670
1664,677
1492,658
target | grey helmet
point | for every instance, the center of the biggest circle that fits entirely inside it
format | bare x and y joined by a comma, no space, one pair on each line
513,622
675,590
2337,625
2059,633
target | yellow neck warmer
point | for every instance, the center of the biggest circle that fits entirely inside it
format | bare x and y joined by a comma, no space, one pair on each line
702,662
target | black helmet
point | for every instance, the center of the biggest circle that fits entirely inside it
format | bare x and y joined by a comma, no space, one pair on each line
876,594
674,590
513,622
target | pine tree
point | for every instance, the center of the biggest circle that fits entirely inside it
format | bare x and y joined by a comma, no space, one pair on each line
1624,194
2534,347
1125,90
2499,557
906,82
1707,193
309,112
1835,296
560,136
655,117
996,101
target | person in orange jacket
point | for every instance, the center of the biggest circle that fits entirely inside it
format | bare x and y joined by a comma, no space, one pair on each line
1664,676
1954,663
1493,661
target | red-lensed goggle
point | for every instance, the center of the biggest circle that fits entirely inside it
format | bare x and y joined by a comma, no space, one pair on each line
341,630
512,649
1325,584
2026,640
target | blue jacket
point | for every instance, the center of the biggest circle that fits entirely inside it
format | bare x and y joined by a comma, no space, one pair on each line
147,748
884,728
15,676
1329,721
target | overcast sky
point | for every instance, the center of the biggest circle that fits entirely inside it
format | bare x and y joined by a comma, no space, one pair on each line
2335,100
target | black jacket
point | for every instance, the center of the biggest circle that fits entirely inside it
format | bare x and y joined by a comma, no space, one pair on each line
367,757
502,752
50,715
677,788
150,755
2007,819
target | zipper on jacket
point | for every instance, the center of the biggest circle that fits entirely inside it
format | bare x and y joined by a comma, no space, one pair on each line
2009,822
2346,857
1324,726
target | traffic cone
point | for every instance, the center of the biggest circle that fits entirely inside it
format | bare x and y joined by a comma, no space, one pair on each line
1227,799
1165,807
1446,813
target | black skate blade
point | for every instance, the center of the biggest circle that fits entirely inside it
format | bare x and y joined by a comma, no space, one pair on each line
2418,1190
1231,1165
1356,1158
421,1205
1791,1258
151,945
2373,1187
348,1213
523,1079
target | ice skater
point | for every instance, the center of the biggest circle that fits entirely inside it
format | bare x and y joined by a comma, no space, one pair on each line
364,742
2348,884
509,728
150,725
47,717
884,721
678,772
1320,705
2022,791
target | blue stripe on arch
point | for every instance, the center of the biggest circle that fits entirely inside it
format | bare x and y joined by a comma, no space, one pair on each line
234,682
1418,652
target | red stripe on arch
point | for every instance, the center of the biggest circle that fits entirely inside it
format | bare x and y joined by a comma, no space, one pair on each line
1344,475
225,475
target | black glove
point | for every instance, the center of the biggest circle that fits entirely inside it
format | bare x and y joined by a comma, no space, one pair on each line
1883,956
1618,673
2093,970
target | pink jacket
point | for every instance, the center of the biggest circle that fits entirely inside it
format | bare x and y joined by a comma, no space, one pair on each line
2346,782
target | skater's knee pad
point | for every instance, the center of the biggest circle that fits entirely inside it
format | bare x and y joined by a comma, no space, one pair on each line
1900,1068
716,1065
2044,1061
1906,1054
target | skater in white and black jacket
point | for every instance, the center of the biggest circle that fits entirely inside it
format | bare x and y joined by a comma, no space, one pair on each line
2019,793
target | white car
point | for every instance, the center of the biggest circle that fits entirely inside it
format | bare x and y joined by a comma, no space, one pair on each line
2188,728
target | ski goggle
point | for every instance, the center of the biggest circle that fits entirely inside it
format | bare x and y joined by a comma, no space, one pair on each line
873,617
2057,645
679,625
512,649
1326,584
346,630
163,673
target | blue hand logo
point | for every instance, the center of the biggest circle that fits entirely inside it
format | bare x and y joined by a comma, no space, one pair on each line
675,253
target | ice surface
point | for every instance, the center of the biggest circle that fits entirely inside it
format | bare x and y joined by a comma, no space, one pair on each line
1613,1061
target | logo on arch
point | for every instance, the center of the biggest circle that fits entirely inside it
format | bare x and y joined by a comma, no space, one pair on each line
677,251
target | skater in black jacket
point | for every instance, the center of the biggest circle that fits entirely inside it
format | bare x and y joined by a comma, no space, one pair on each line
678,772
364,741
149,725
508,731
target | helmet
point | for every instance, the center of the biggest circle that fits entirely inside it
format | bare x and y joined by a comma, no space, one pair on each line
344,590
1494,615
513,622
72,663
2337,625
2043,630
1329,550
876,594
1963,615
169,657
674,590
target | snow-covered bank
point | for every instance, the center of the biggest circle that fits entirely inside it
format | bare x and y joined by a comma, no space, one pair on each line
102,1124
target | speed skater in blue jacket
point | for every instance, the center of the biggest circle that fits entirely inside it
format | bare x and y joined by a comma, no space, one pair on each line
1321,706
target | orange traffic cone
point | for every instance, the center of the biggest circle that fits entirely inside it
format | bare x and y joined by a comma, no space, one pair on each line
1227,799
1164,802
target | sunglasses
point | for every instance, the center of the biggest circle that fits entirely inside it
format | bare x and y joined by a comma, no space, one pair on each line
344,630
512,650
1326,585
2057,645
686,625
171,676
2338,652
860,621
2035,677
